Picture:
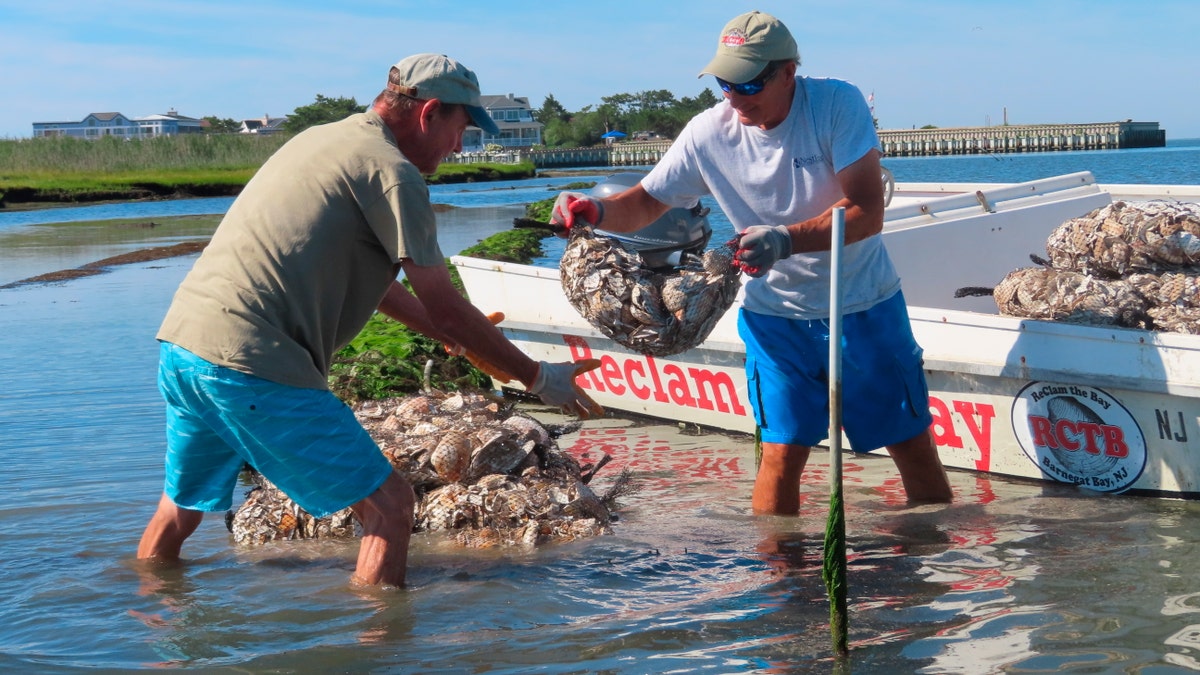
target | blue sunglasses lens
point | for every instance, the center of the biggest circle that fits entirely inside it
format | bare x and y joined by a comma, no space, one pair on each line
744,89
748,88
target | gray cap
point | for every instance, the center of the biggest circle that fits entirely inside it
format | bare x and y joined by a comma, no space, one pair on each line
747,44
427,76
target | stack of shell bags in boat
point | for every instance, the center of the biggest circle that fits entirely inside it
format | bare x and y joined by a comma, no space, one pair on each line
1129,264
487,474
649,312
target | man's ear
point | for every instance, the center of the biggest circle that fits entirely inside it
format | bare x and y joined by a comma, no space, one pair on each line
429,111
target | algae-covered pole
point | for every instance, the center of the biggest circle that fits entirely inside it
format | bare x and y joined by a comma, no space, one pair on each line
834,568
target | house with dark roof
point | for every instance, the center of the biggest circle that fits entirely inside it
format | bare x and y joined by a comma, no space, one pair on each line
99,125
263,126
514,116
95,125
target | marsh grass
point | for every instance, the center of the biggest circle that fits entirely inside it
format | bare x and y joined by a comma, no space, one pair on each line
188,152
72,169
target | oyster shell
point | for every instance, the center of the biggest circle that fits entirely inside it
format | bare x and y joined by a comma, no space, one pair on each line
452,456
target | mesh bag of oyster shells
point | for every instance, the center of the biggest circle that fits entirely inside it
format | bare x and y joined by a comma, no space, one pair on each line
1127,237
1127,264
483,473
1072,297
649,312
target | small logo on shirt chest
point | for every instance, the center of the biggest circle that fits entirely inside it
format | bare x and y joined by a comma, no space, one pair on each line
802,162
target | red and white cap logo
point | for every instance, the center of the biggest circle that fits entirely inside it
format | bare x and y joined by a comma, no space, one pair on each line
734,38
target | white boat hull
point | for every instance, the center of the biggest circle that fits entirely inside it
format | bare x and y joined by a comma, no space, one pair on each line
1108,409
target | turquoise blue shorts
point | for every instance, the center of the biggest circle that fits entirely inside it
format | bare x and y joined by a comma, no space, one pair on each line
305,441
885,399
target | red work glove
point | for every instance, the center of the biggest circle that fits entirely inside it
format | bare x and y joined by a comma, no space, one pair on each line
555,385
571,206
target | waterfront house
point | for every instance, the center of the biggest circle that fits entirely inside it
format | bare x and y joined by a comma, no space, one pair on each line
263,126
170,123
99,125
514,116
95,125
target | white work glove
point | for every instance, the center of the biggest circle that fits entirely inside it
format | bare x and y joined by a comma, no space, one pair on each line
761,246
570,207
555,385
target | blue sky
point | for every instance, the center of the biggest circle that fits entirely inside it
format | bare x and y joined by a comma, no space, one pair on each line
966,63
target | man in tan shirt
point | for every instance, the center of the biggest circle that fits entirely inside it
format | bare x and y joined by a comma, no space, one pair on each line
305,255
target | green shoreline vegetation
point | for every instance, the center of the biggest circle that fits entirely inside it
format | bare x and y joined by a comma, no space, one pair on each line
46,171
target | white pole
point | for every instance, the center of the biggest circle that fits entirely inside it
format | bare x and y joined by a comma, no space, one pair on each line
834,570
837,234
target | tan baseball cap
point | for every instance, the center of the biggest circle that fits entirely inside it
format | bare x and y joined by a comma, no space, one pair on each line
427,76
747,44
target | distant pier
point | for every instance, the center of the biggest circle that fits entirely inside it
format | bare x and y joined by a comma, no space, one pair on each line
1024,138
634,153
895,143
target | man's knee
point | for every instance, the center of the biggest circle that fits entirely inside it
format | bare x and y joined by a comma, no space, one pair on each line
392,502
168,528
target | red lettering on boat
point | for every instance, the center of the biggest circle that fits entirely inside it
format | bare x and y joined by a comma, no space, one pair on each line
641,392
643,378
612,374
976,418
1071,435
1043,435
580,350
1114,441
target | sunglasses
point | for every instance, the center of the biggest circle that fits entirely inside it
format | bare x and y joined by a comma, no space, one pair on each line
752,87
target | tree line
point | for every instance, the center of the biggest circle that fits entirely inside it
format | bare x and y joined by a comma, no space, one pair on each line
656,111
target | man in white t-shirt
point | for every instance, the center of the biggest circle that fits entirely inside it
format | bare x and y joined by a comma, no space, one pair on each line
778,154
307,253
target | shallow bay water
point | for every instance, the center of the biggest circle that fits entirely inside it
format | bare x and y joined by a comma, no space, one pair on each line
1012,577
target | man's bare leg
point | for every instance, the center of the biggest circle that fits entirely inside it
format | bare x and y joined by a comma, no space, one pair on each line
777,485
387,522
921,469
167,530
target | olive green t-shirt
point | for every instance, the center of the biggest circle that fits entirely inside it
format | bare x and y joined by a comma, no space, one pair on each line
305,254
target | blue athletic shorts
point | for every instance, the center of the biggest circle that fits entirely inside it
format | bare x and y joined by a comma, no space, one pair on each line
305,441
885,399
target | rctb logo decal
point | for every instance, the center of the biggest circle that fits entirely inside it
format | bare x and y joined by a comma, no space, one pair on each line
1078,434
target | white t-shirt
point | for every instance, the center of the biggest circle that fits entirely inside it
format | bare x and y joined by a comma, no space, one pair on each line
783,176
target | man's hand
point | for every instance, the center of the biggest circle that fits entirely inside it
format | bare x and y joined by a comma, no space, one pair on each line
573,206
489,368
555,385
761,246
